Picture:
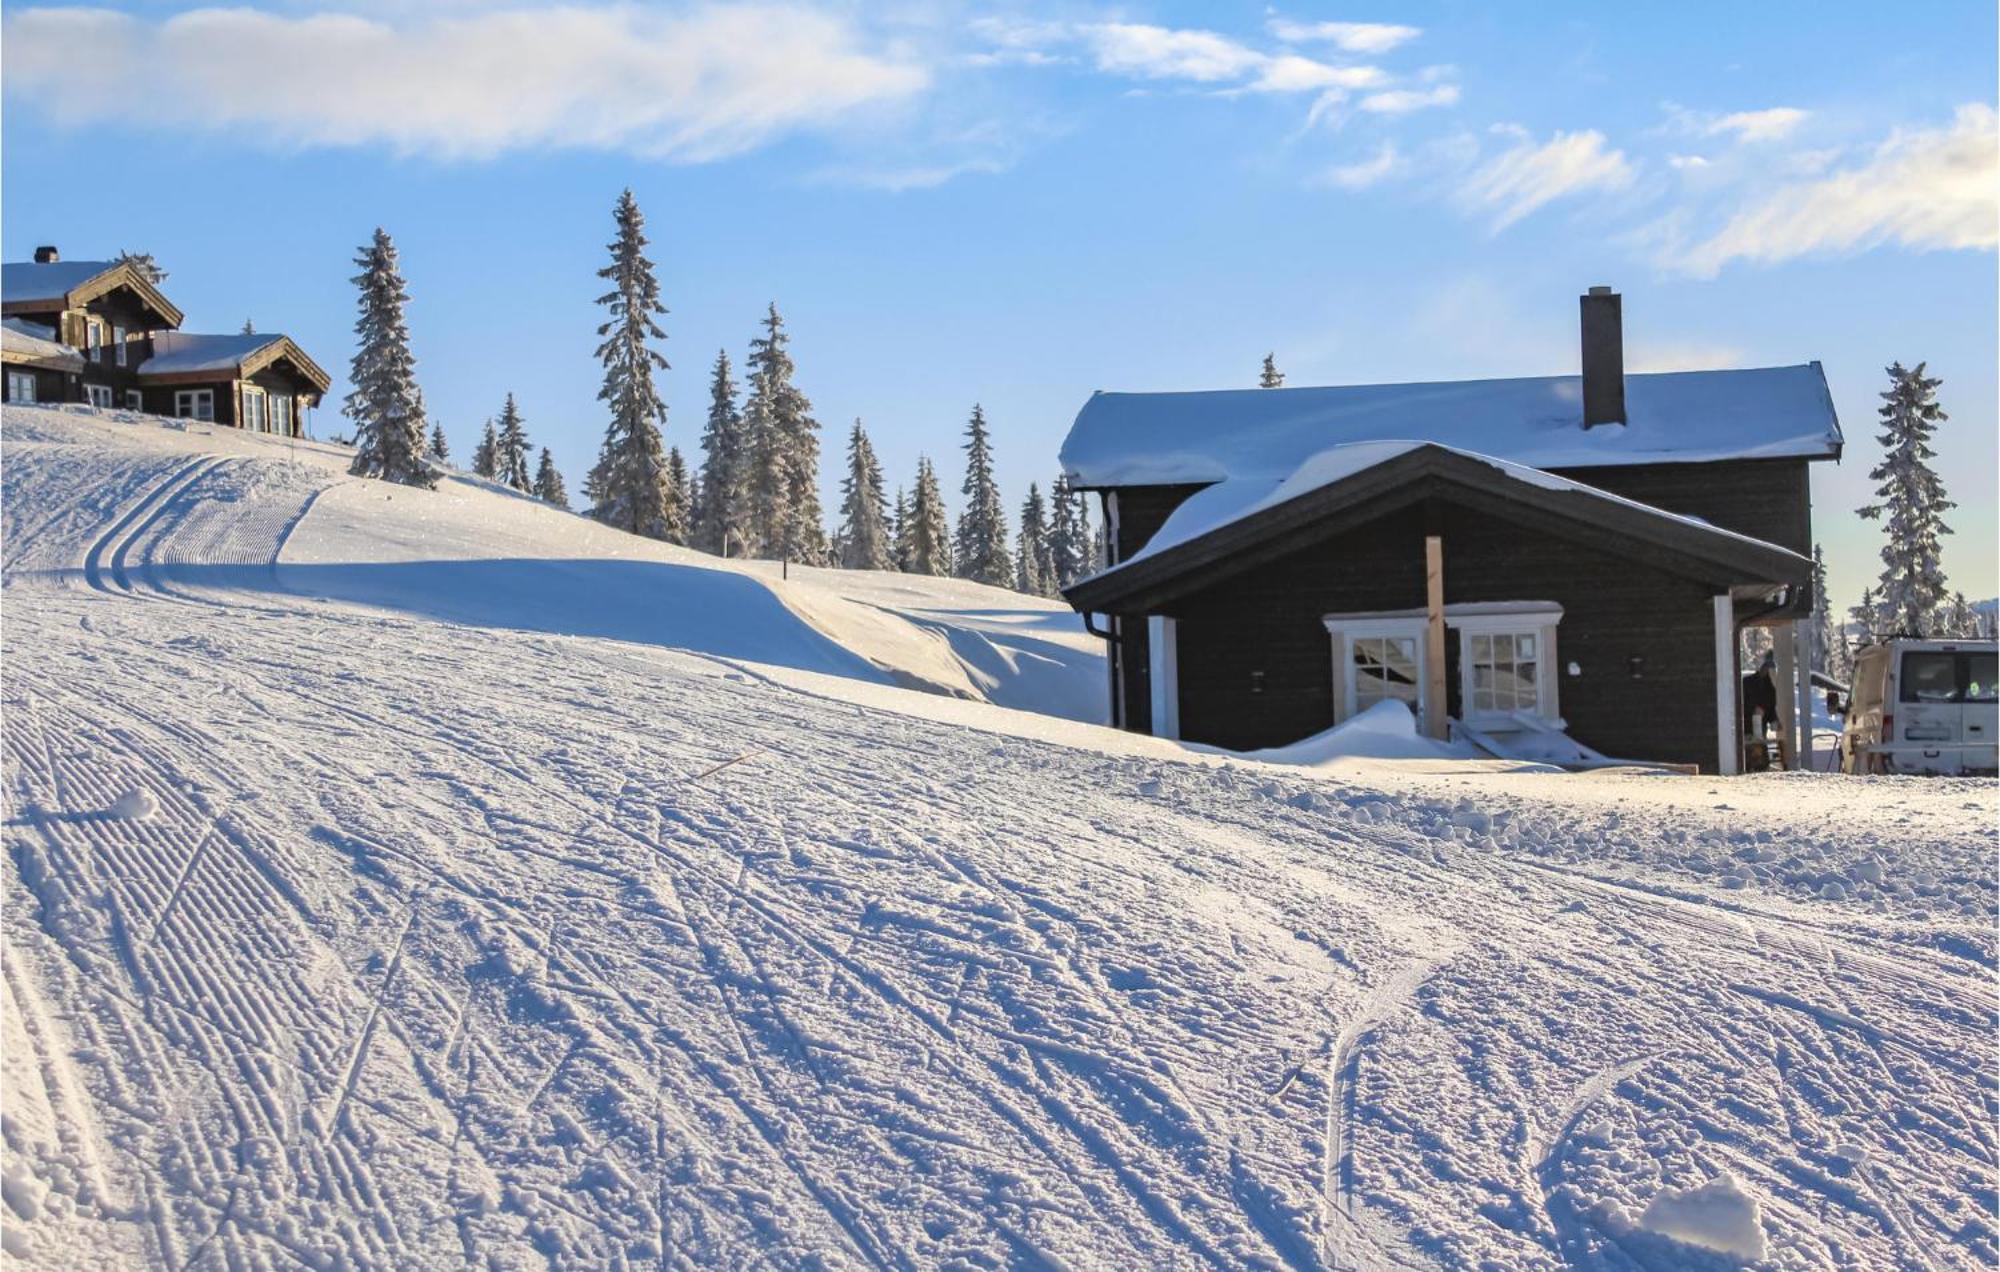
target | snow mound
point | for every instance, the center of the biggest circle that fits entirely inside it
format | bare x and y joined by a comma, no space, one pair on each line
1718,1215
1385,731
137,804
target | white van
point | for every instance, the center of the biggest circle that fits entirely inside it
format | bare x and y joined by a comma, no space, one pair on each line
1923,706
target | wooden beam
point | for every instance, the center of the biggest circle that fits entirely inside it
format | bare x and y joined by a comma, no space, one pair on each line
1434,636
1728,743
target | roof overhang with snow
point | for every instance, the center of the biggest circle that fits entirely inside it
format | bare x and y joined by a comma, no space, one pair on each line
29,287
185,358
1680,417
1237,524
25,344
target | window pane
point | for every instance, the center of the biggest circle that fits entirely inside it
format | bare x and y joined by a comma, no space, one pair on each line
1929,677
1482,649
1524,645
1981,670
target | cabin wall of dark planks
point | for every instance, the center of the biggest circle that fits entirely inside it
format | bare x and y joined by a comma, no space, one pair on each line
1142,510
1768,499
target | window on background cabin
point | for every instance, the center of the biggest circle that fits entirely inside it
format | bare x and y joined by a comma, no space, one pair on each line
99,394
1505,674
194,404
93,336
253,411
281,414
118,344
20,386
1929,677
1385,669
134,400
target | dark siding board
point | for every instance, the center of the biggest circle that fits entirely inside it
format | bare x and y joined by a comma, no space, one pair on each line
1768,499
1269,619
1142,510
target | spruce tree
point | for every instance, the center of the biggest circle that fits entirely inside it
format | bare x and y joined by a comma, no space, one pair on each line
899,532
1913,502
486,455
549,483
1271,377
680,500
1069,534
143,264
628,487
1034,567
386,405
930,531
981,547
864,542
720,517
249,329
1823,636
784,442
1867,616
510,455
439,451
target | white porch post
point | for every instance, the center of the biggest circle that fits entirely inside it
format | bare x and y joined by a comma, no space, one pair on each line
1728,751
1808,655
1165,675
1785,645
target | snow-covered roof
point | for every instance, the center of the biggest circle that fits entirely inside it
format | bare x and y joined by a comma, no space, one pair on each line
31,280
30,341
1239,498
175,352
1136,439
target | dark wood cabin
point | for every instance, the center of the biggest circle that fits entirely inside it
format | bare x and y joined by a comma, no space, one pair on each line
1482,551
101,332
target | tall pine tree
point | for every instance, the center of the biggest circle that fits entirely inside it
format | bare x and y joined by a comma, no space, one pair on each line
439,450
899,531
549,483
784,444
510,453
981,548
487,454
1823,635
628,488
386,405
1913,502
721,521
863,539
1034,563
681,499
930,531
1270,377
1069,534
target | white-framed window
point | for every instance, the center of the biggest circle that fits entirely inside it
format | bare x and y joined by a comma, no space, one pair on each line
20,386
1378,658
281,414
253,410
134,400
1506,660
98,394
93,338
118,344
194,404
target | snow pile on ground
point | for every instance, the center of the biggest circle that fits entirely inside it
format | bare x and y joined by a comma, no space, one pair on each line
1719,1215
458,942
1385,731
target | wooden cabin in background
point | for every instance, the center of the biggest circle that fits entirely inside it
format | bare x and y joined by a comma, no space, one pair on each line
1511,560
101,332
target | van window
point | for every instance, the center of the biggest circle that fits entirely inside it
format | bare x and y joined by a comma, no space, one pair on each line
1980,672
1929,676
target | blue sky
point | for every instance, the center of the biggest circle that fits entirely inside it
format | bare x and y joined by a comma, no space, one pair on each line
1021,203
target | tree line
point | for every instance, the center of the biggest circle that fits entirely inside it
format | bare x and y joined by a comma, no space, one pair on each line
756,493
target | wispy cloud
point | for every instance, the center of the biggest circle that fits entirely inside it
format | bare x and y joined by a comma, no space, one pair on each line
1400,101
1759,125
1348,37
1385,163
1925,189
1531,174
697,85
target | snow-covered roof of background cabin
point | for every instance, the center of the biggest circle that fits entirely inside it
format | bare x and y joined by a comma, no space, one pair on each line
1138,439
180,351
30,340
28,280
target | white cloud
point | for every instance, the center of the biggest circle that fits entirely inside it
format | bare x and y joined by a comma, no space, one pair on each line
1204,57
1924,190
1759,125
1530,175
1398,101
1687,163
696,85
1385,163
1349,37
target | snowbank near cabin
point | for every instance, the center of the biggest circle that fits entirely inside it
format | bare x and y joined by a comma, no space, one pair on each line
452,941
1385,731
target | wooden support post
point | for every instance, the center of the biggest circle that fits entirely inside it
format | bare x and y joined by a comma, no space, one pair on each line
1434,636
1784,644
1728,714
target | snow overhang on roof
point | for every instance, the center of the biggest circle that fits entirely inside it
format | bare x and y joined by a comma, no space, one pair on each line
1141,439
1242,521
31,344
37,286
180,354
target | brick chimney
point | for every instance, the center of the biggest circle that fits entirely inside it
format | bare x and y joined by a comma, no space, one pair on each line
1603,357
47,255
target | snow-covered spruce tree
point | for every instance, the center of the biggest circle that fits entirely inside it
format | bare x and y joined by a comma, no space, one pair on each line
1823,635
899,531
487,453
981,548
1034,565
930,531
386,405
249,328
549,483
784,442
1867,617
510,455
1070,541
144,264
1270,377
720,522
628,486
863,541
439,450
1913,502
680,497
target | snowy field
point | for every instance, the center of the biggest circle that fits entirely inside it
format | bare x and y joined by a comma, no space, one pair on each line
407,879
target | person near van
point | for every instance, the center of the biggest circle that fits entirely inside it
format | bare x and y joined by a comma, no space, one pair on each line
1760,697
